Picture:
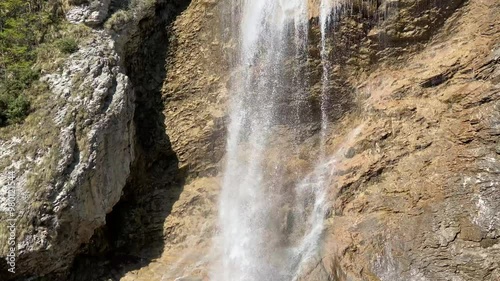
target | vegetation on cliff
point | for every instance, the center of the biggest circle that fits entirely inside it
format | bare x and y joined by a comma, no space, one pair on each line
126,13
24,27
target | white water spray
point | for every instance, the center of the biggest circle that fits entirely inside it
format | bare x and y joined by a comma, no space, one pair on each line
328,13
251,243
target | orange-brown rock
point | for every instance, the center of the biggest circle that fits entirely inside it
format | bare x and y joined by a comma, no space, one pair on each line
415,194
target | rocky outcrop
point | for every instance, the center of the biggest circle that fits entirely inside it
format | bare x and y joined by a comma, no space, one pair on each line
69,161
92,13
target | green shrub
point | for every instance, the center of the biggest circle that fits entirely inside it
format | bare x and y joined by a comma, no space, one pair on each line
67,45
18,109
118,20
14,106
24,25
13,109
20,76
135,9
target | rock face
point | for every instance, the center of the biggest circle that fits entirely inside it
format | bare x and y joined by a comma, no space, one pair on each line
195,121
144,113
92,12
69,161
418,200
414,197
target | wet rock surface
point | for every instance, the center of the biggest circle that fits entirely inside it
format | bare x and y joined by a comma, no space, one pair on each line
411,204
414,195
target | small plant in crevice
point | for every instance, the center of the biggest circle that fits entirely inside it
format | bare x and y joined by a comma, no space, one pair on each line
136,9
118,20
67,45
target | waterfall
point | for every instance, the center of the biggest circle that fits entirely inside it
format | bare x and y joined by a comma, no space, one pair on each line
268,90
325,17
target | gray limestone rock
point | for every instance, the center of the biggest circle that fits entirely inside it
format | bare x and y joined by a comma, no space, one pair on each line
70,172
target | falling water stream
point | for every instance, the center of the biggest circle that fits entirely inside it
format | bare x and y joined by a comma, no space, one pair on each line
266,93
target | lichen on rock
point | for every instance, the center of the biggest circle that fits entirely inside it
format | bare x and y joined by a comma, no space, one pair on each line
92,13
